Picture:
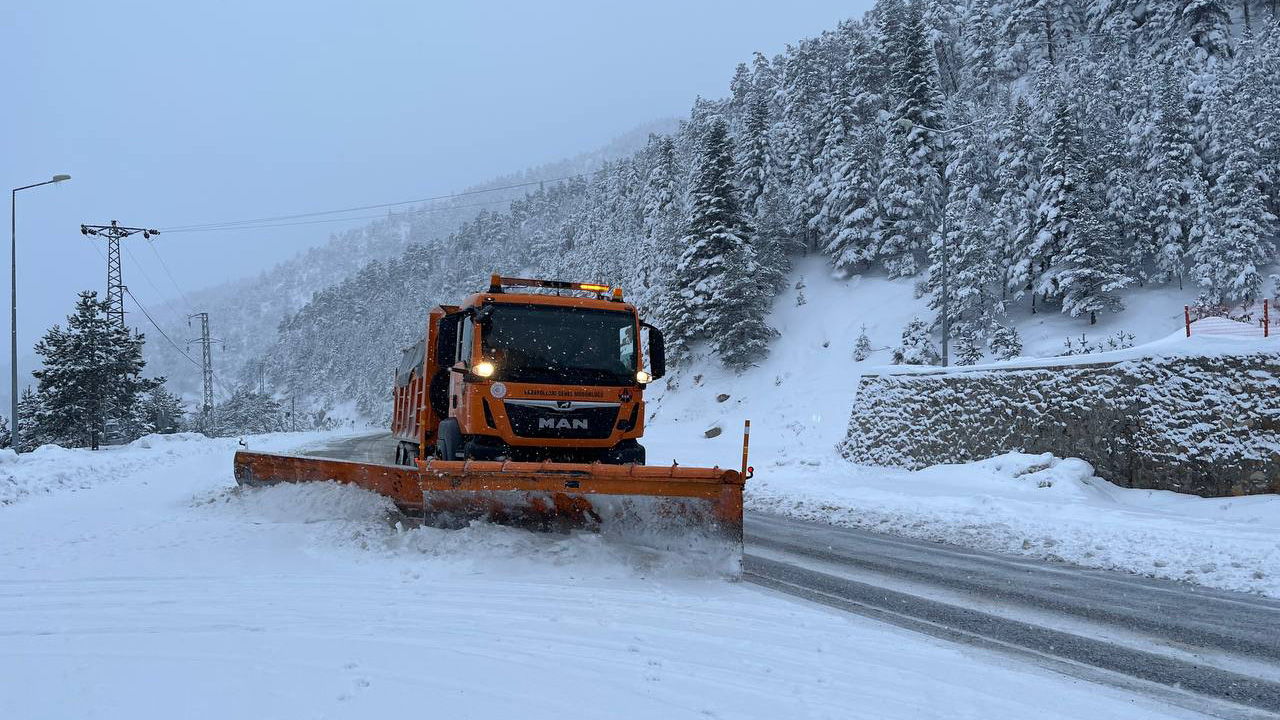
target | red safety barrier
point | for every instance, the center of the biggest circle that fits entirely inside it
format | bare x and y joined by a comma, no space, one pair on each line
1237,320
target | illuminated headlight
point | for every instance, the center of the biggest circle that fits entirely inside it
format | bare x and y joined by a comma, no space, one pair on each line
643,377
484,368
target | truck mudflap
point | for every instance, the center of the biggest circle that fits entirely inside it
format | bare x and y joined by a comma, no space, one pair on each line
544,496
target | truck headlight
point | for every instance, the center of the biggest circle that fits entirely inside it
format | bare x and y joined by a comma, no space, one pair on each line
484,369
643,377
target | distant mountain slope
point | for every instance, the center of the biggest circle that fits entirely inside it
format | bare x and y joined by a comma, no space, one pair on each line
244,313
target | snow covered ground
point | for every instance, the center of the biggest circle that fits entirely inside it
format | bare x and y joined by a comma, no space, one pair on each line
799,402
159,590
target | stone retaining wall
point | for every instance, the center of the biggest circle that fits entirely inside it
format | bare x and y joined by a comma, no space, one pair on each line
1208,425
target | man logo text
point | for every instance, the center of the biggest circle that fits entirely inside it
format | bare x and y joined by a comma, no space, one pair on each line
561,424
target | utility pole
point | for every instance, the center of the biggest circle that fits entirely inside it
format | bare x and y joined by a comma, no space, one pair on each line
946,273
115,285
207,364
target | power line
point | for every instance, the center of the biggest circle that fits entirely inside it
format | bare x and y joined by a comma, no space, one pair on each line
342,219
181,352
218,383
95,248
165,265
358,208
147,277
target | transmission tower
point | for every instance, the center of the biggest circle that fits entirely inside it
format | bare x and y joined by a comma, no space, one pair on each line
207,365
114,233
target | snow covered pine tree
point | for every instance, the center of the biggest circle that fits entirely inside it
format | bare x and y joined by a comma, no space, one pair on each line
917,347
717,273
90,378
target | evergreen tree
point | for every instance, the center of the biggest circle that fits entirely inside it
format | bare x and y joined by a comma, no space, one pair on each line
981,52
917,347
969,351
90,377
761,207
910,189
964,270
163,410
1061,206
246,412
1005,342
1017,187
663,215
752,141
1230,259
6,435
853,208
1208,27
1089,270
716,274
862,346
1176,209
32,423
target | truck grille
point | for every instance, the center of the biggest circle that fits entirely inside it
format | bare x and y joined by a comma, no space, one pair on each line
544,420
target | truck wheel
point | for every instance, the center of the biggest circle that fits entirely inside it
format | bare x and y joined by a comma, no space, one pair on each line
406,453
627,452
449,440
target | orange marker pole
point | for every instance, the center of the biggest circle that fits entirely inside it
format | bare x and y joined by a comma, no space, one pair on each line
746,440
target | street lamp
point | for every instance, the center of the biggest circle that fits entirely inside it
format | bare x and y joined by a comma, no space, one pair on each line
13,328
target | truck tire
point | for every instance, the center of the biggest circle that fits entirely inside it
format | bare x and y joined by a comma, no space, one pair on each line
627,452
406,453
449,440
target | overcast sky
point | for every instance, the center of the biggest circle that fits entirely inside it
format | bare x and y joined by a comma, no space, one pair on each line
172,113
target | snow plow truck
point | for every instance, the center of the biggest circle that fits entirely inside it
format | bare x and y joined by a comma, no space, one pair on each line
524,405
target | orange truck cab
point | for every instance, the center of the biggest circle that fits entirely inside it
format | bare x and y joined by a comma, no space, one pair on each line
528,376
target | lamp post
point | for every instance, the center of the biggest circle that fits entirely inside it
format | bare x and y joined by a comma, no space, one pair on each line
907,124
13,286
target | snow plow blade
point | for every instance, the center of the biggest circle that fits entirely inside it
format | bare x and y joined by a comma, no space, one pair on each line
544,496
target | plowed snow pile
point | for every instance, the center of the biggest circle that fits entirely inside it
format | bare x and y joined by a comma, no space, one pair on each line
167,593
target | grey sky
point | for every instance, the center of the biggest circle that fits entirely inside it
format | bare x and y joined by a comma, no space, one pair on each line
170,113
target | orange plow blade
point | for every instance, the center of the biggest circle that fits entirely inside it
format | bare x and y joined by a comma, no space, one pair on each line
541,495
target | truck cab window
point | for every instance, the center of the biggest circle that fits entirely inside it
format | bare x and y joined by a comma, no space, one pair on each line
627,346
464,341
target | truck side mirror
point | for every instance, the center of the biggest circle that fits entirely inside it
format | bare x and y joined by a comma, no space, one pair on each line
657,352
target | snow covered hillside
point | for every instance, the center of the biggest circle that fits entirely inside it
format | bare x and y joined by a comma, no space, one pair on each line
799,401
165,591
1101,168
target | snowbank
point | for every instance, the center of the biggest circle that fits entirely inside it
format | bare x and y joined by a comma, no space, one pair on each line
50,468
1045,507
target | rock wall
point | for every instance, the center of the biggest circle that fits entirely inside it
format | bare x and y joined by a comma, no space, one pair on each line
1203,425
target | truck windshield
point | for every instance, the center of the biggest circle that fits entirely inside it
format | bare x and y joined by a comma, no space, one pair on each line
561,345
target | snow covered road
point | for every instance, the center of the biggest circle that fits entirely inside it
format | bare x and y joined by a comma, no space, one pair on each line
1151,634
164,592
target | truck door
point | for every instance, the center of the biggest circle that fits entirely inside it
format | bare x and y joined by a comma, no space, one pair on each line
445,352
461,358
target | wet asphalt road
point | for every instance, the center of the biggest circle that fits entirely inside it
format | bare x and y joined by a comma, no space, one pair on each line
1213,651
